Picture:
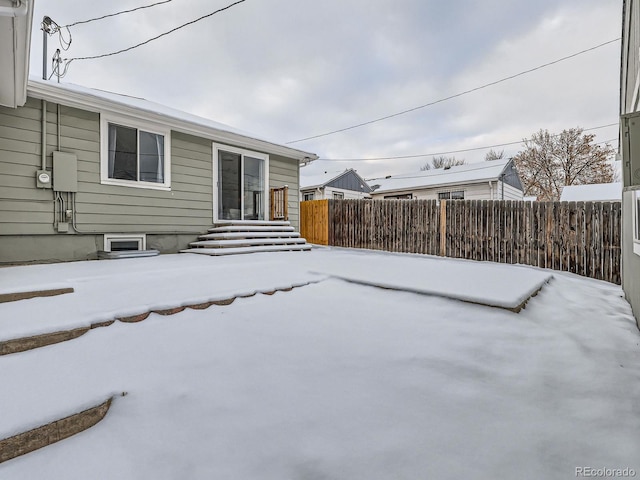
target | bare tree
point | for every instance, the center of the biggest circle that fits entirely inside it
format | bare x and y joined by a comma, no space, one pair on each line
493,155
442,162
549,162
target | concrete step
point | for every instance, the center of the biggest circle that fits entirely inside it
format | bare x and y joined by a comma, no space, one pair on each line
241,242
253,249
236,235
251,228
244,223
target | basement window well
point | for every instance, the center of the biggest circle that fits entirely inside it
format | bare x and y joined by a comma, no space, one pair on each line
125,245
124,242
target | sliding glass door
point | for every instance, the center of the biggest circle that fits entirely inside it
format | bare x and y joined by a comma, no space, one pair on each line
241,184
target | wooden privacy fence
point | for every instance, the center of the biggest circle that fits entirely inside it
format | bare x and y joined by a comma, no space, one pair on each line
314,221
578,237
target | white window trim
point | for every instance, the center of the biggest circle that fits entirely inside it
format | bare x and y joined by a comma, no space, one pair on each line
305,194
239,151
451,192
141,238
139,124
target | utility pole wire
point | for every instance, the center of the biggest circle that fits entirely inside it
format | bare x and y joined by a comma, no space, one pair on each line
455,95
158,36
400,157
115,14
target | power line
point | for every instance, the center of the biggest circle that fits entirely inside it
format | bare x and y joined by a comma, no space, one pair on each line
440,171
115,14
435,171
158,36
400,157
524,72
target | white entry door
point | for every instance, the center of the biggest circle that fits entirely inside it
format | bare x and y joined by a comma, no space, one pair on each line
241,180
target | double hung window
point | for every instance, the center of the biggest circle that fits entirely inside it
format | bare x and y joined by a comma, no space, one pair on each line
135,155
456,195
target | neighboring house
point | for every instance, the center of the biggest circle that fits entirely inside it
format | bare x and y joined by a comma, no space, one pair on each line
630,150
83,170
595,192
494,180
345,185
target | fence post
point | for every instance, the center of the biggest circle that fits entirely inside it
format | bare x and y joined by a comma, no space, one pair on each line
443,228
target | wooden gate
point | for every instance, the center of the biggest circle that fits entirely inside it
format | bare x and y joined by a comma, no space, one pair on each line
279,203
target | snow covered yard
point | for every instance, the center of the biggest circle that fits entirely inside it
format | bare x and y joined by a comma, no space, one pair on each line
331,380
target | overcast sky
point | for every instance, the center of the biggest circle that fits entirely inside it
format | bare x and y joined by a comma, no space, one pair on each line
289,69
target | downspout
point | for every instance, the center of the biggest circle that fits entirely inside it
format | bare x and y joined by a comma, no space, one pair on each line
490,190
44,135
58,125
18,11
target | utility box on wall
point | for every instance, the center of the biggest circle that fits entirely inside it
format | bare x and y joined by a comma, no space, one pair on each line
65,172
630,125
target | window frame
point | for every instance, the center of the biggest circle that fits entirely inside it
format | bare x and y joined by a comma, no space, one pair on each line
305,194
401,196
109,238
338,195
448,195
139,125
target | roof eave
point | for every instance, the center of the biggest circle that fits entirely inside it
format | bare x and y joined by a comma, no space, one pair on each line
13,88
94,103
439,185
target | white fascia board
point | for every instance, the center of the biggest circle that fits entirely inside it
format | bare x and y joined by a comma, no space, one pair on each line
15,36
310,187
97,104
435,186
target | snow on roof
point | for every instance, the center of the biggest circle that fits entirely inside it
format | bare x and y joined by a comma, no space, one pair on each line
597,192
460,174
322,179
40,88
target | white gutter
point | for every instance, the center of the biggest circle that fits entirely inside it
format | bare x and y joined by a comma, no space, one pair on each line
18,11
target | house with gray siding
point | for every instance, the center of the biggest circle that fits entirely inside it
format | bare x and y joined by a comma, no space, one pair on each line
494,180
630,152
83,171
329,185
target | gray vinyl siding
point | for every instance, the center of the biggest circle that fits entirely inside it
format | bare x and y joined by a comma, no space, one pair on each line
511,177
24,209
286,171
630,58
168,217
349,180
187,208
629,73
